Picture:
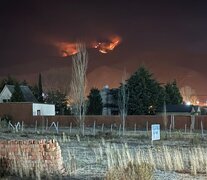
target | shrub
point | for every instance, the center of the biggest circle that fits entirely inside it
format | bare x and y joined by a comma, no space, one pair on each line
5,120
132,171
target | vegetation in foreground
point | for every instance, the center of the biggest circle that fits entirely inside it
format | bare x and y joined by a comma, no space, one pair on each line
117,157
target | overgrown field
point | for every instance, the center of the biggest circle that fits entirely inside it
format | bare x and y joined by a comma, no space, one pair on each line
109,155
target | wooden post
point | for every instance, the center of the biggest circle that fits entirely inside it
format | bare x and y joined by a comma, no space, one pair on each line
94,128
83,128
57,127
22,126
147,128
202,128
185,128
102,127
135,128
46,128
36,126
119,129
71,126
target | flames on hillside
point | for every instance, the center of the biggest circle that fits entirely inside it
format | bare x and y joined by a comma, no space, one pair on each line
69,48
105,47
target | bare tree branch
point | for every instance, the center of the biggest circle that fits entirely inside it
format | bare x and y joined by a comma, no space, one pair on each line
78,83
123,98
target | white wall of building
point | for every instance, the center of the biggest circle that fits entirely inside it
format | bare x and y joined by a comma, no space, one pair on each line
43,109
5,95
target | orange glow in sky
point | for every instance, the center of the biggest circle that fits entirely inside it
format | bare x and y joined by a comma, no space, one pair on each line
69,48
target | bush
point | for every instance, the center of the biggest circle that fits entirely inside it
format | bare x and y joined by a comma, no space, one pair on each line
5,120
132,171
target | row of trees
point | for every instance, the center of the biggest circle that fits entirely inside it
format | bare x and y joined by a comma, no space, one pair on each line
140,94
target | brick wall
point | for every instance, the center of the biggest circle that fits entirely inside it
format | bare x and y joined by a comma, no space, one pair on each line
31,154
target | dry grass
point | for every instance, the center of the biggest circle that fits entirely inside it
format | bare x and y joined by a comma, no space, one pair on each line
124,162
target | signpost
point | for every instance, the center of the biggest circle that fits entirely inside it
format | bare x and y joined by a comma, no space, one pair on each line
155,128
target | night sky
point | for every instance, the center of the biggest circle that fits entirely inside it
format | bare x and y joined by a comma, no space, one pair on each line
168,37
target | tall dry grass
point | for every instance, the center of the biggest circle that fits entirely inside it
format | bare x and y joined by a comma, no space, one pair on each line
120,160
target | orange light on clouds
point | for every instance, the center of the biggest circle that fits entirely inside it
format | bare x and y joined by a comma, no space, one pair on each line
105,47
66,48
69,48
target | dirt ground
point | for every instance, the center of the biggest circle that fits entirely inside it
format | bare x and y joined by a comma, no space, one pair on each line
85,155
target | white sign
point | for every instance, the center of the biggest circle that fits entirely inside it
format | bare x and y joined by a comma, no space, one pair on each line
155,128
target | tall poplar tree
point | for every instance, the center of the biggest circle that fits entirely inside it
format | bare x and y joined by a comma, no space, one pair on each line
40,91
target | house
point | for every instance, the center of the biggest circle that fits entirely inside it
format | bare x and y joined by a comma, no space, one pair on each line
8,90
110,105
26,111
23,111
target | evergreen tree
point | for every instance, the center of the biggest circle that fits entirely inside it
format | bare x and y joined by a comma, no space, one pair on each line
60,101
40,92
17,96
172,94
145,93
7,81
35,90
94,102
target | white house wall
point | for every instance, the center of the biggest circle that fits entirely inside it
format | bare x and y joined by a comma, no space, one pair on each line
5,95
43,109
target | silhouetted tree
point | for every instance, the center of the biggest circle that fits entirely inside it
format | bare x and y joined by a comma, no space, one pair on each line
145,93
17,95
40,92
172,94
94,102
7,81
60,101
35,90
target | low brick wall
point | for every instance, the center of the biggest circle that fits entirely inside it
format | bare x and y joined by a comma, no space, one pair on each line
140,120
32,154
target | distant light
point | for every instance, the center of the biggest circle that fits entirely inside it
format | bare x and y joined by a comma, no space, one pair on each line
188,103
106,87
197,102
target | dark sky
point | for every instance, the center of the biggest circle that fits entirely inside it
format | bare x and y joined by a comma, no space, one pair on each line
169,37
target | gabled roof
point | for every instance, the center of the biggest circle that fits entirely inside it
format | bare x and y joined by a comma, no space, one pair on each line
27,93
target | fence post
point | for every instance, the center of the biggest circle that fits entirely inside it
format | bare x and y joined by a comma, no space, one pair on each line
22,126
71,126
185,128
102,128
94,128
202,129
135,128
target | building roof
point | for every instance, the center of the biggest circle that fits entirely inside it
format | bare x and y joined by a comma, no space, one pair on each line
27,93
181,108
178,108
